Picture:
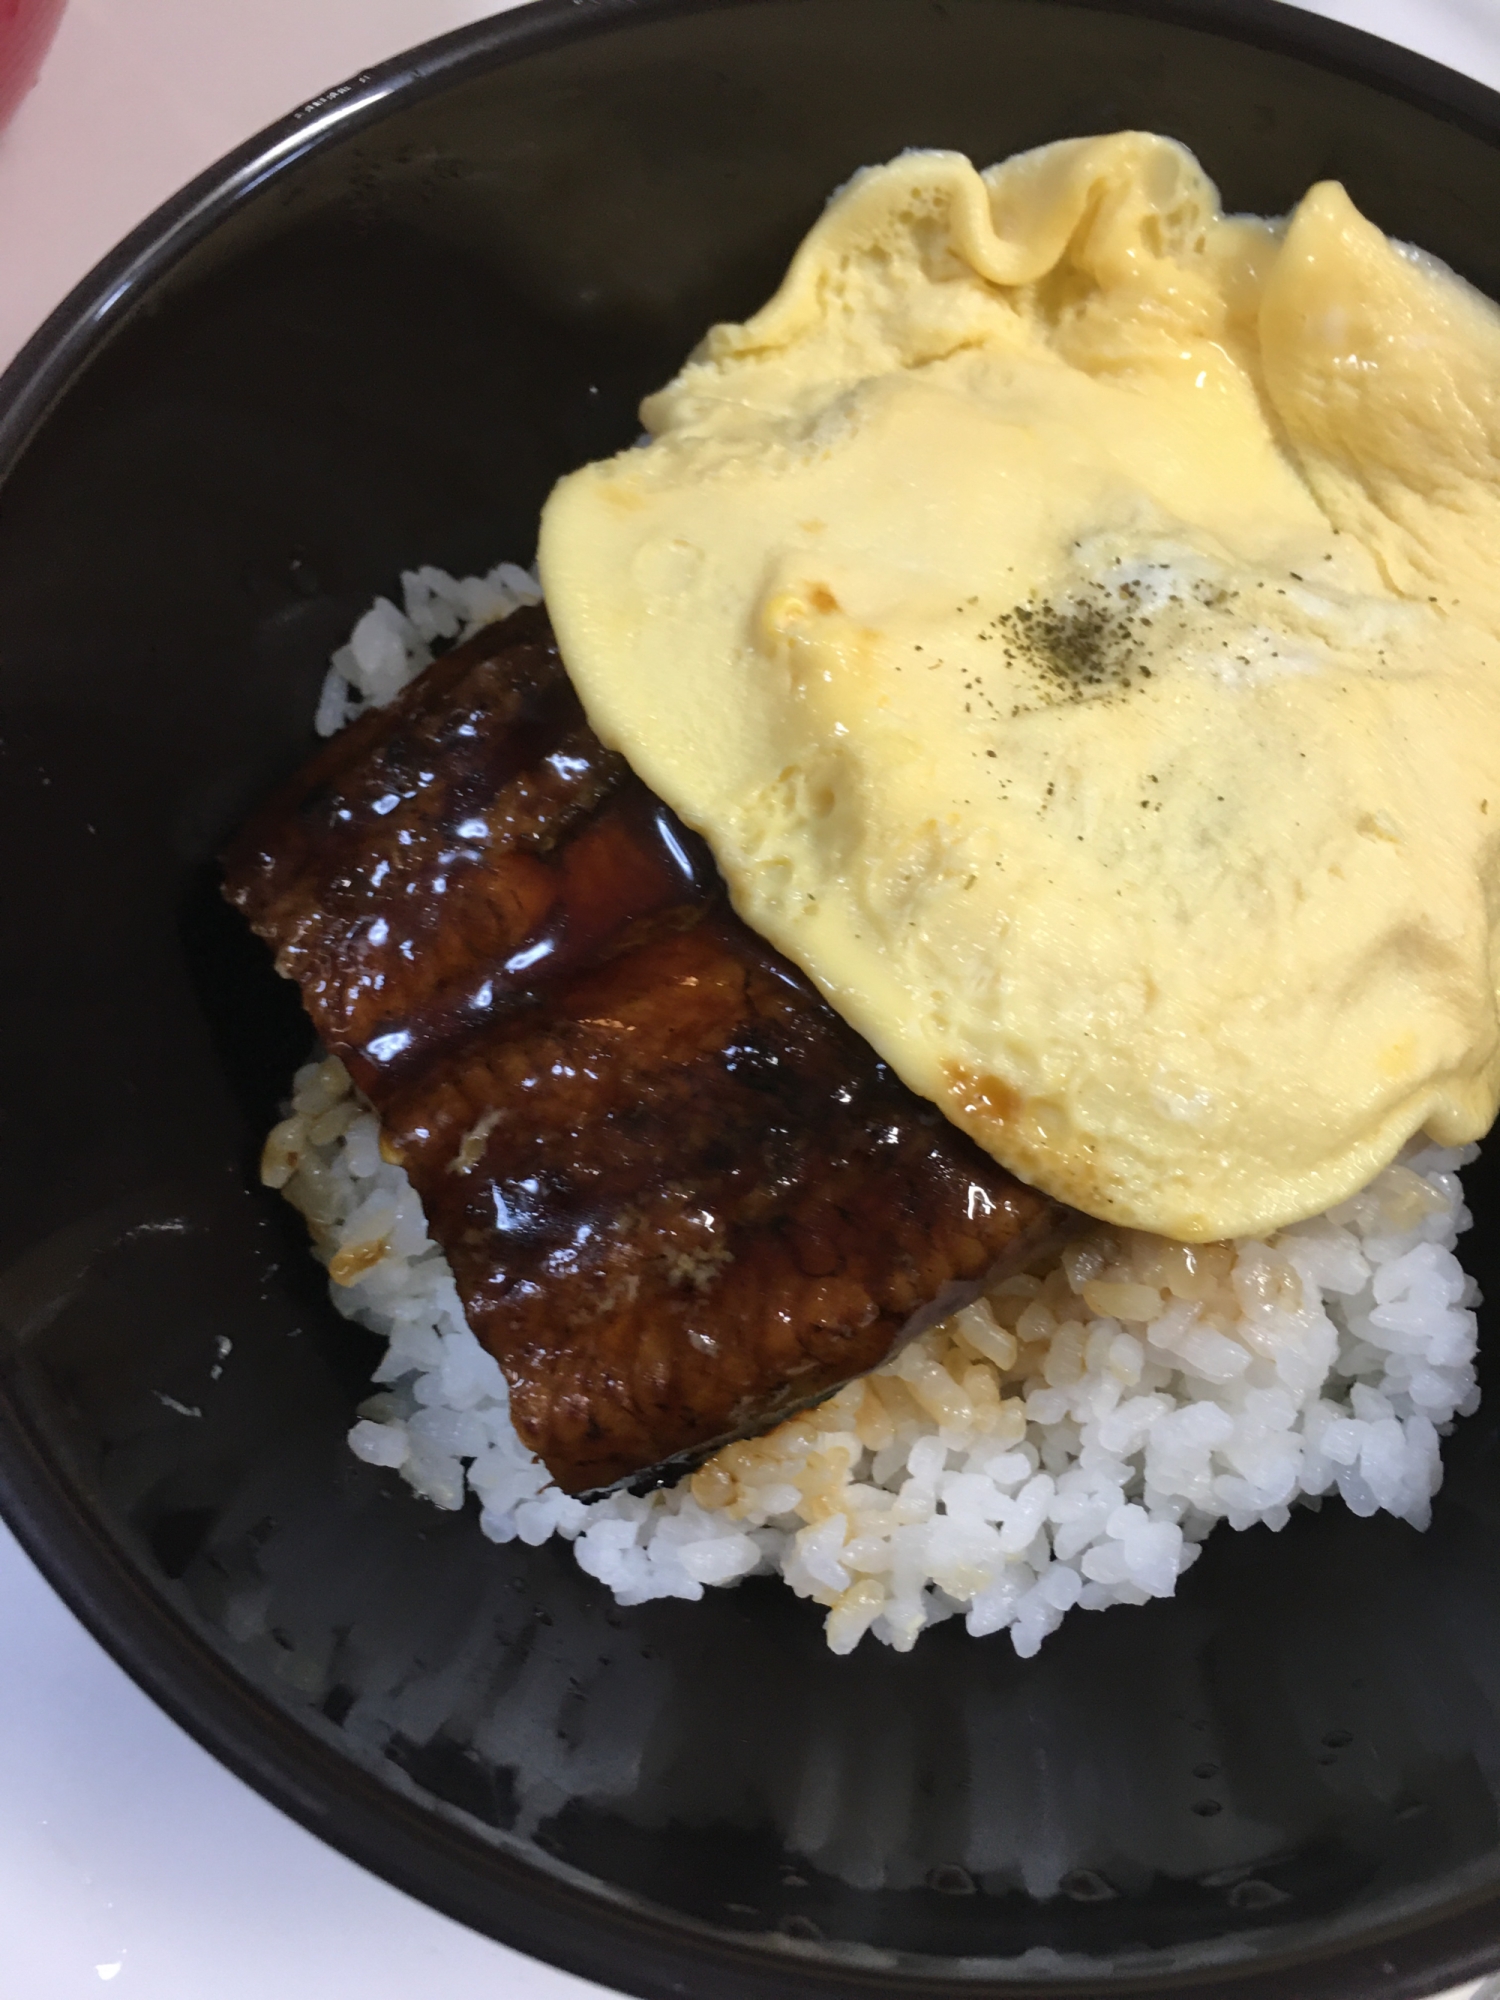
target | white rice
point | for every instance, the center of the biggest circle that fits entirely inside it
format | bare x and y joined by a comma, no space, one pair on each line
389,647
1066,1442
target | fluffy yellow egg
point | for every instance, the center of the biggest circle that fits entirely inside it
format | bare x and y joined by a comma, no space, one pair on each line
1071,616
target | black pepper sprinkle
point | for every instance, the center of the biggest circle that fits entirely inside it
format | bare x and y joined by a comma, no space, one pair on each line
1082,647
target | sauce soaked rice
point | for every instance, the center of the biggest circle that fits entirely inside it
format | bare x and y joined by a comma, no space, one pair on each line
1066,1442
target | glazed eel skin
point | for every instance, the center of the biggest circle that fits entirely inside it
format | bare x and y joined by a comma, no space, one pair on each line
680,1196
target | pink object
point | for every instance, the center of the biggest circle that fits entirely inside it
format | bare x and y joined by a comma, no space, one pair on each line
26,31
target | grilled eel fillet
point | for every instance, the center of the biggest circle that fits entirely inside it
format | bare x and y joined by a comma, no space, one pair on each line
679,1195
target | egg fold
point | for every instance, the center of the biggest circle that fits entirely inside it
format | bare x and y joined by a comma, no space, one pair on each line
1068,612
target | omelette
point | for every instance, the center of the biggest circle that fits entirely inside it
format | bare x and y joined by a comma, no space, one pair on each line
1067,613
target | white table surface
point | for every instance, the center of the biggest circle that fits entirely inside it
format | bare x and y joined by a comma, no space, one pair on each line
128,1857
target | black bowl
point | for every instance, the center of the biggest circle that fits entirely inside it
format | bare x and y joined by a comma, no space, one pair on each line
374,336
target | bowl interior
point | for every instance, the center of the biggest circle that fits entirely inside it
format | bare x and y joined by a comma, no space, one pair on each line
381,355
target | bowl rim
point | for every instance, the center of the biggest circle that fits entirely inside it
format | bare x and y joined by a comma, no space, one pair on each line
571,1922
